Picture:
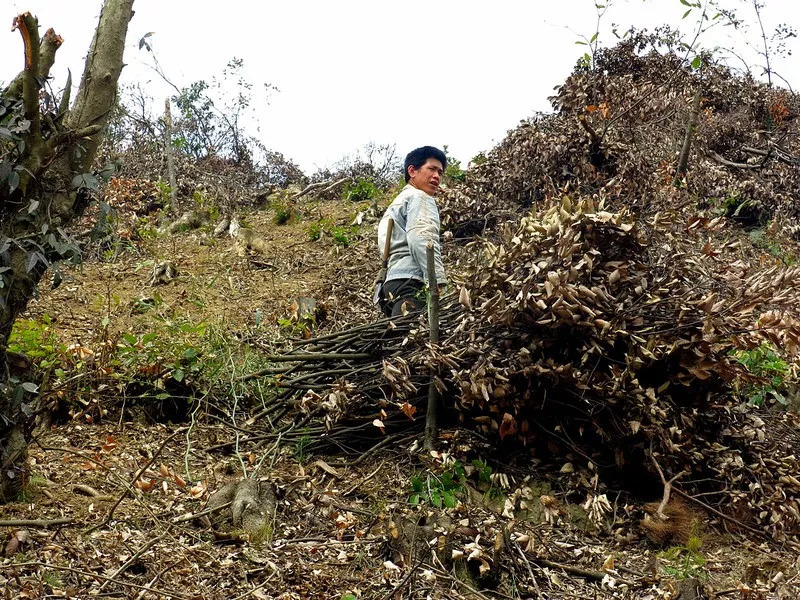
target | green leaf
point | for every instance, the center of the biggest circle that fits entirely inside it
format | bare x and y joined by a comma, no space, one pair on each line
85,181
686,14
13,181
450,500
594,37
30,261
579,43
178,374
697,62
416,484
413,499
685,3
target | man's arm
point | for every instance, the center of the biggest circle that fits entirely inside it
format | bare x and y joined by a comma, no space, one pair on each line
423,227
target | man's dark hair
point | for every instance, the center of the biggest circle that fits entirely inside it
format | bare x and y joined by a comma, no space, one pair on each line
420,156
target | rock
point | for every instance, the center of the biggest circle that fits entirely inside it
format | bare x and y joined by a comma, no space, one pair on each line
222,227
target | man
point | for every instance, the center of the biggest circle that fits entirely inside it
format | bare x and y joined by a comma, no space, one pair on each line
415,222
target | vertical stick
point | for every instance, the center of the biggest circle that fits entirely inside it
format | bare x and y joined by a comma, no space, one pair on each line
173,182
432,414
691,126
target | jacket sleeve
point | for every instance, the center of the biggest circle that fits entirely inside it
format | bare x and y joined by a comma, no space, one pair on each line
423,227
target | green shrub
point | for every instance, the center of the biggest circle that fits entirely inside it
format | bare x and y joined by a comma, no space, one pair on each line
315,231
438,490
361,190
764,362
36,340
283,214
340,236
685,562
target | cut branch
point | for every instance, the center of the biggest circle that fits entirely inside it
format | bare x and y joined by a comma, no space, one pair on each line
734,165
432,414
43,523
51,42
691,127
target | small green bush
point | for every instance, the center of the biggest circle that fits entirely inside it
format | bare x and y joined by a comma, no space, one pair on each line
764,362
36,340
685,562
340,236
361,190
283,214
438,490
315,231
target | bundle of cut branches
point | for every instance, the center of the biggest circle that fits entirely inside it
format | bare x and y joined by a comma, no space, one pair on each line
599,334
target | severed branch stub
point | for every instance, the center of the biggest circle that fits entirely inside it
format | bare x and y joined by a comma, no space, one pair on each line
667,487
432,414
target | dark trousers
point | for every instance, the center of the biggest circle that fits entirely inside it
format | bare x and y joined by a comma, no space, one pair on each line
400,294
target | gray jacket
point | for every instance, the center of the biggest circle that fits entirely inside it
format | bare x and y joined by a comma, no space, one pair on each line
416,222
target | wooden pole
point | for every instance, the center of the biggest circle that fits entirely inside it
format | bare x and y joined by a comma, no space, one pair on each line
173,181
432,414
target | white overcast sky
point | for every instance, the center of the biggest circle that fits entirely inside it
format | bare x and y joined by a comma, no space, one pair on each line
455,72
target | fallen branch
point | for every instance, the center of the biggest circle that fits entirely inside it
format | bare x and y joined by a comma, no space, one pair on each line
327,185
202,513
304,357
734,165
403,582
158,576
530,569
587,573
432,413
43,523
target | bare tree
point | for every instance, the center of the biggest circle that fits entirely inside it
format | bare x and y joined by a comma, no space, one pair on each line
45,182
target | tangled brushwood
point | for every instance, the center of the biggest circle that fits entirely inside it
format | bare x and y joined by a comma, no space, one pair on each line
610,337
619,312
633,319
617,130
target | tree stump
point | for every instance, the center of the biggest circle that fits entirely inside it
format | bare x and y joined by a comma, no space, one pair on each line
252,505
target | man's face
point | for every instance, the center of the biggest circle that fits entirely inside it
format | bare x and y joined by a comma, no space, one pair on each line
427,177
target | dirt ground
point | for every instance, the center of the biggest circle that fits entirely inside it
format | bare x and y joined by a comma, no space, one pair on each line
108,508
